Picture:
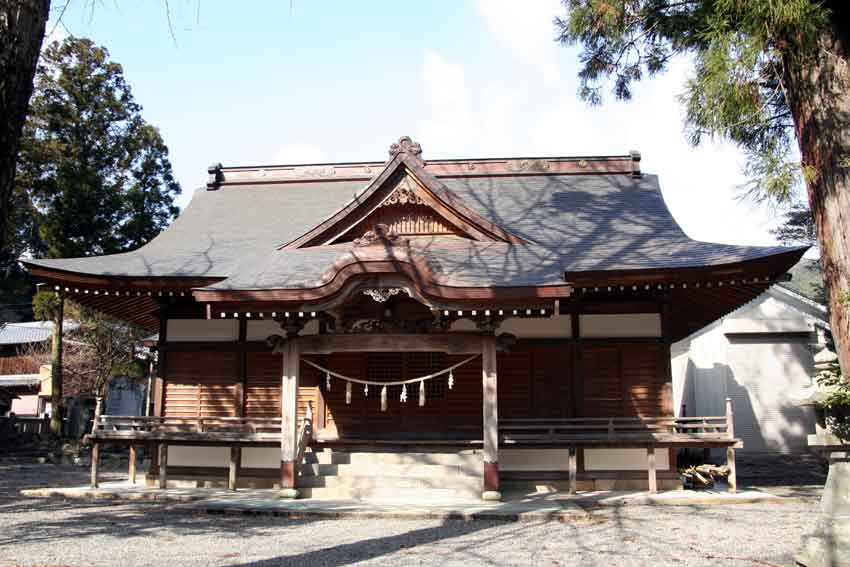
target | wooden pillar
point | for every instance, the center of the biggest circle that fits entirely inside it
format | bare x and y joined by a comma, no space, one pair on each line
159,389
289,419
242,379
56,428
651,470
732,480
95,462
491,418
163,465
573,469
235,457
131,465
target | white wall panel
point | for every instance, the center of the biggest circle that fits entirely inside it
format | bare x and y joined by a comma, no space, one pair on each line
623,459
620,325
182,330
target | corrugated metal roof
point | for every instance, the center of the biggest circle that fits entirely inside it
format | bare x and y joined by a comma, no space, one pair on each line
32,332
9,380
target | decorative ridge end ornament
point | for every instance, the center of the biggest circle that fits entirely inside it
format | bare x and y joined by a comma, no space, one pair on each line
635,155
216,177
406,145
380,234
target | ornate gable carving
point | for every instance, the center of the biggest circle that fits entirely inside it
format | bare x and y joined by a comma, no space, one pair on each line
404,194
402,213
380,234
409,201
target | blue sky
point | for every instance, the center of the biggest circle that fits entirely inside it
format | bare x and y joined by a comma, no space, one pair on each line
311,80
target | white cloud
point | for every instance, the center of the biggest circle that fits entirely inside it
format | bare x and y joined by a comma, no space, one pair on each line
525,29
515,113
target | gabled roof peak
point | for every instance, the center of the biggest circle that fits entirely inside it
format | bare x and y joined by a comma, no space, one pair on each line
404,182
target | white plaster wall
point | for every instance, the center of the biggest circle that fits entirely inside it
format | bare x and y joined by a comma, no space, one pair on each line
623,459
683,391
557,326
620,325
224,330
187,456
261,457
765,375
750,357
534,459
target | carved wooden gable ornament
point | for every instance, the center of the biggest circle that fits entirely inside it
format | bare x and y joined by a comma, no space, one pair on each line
402,200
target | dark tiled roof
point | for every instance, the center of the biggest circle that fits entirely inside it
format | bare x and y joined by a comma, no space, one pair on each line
573,223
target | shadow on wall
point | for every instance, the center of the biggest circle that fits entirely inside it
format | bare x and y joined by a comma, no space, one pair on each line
765,417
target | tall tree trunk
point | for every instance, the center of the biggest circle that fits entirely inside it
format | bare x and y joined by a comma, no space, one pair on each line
818,88
56,370
22,24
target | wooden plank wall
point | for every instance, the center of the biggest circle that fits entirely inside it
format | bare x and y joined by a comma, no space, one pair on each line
536,379
626,379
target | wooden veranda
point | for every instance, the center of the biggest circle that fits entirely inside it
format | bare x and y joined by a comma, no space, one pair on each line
569,434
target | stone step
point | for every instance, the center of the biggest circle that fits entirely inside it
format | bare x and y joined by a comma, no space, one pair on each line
390,495
392,469
342,457
464,483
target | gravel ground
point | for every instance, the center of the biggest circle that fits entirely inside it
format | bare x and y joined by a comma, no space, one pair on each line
56,533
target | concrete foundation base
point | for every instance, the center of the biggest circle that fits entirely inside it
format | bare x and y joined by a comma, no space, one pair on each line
288,493
829,544
491,496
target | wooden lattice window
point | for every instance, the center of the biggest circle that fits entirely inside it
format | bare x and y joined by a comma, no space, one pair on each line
394,366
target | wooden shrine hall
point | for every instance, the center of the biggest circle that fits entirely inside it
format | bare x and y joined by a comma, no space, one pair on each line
382,328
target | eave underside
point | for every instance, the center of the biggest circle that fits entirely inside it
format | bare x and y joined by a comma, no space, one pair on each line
691,306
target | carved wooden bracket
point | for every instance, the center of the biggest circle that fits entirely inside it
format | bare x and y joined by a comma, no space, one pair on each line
380,234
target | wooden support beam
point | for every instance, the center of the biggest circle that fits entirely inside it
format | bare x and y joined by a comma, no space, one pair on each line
95,462
289,418
489,386
651,470
235,457
131,465
454,343
573,469
163,465
732,479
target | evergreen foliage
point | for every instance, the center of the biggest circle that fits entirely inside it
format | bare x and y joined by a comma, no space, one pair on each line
92,176
736,91
95,175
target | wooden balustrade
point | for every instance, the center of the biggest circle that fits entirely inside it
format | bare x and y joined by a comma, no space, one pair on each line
571,433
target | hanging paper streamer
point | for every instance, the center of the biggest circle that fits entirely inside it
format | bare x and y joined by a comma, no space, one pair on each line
403,393
384,398
328,381
348,393
366,390
451,379
422,393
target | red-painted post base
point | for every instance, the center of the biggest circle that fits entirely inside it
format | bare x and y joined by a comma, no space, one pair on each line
491,477
287,480
287,474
